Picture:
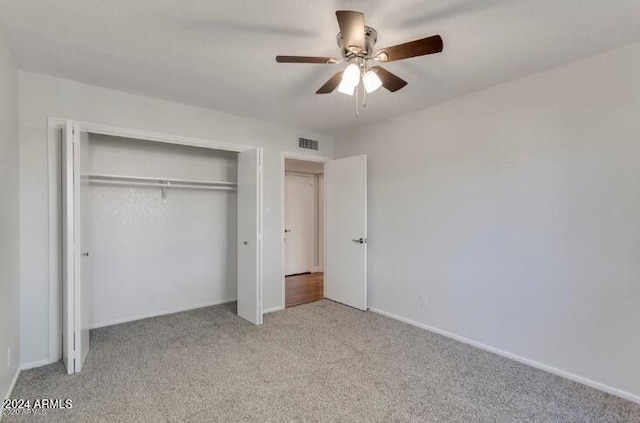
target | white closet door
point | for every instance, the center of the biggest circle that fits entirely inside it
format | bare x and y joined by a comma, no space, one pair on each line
346,231
249,204
68,319
299,223
76,283
83,280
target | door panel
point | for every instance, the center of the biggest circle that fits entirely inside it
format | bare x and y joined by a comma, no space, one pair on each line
68,319
249,272
76,284
346,231
299,218
83,275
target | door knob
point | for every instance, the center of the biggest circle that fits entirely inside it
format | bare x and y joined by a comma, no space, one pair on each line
246,242
360,240
85,254
286,231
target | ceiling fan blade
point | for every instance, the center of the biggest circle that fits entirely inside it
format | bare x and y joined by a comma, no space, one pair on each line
331,84
390,81
424,46
305,59
352,29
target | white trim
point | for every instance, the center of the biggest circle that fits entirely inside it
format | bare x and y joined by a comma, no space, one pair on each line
298,156
306,157
37,363
317,269
273,309
161,313
54,236
54,123
579,379
96,128
12,385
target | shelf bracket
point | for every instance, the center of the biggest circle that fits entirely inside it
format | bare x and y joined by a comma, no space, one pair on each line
165,186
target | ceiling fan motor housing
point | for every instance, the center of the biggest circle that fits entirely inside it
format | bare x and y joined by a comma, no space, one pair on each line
370,38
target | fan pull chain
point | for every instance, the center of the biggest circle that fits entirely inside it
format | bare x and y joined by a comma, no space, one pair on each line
364,99
357,92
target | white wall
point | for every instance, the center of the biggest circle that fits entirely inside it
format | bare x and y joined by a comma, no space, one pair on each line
9,220
151,256
42,96
516,210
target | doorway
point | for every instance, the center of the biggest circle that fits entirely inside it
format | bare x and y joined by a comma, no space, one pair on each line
303,231
152,186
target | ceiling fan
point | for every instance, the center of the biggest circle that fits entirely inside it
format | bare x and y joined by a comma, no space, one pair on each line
357,42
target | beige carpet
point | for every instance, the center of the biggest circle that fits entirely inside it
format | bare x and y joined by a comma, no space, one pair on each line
321,362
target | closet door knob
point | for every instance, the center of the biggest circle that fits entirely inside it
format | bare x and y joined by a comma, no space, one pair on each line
246,243
85,254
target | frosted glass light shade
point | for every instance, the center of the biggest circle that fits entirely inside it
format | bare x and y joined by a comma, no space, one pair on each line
371,81
346,88
351,75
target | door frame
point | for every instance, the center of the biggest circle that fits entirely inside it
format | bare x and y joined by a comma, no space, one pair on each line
54,127
307,158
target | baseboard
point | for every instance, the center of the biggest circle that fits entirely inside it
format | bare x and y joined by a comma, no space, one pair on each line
317,269
272,309
38,363
588,382
161,313
11,387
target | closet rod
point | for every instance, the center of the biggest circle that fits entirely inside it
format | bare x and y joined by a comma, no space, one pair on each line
162,185
162,181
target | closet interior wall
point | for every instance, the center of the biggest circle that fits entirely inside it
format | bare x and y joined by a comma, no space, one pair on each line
152,252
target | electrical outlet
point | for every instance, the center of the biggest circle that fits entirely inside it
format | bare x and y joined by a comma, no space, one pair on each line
423,300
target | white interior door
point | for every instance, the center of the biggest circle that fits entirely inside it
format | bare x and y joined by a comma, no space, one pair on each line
82,278
68,319
346,231
299,223
75,304
249,204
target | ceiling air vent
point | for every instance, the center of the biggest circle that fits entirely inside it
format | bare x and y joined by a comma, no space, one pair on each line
307,144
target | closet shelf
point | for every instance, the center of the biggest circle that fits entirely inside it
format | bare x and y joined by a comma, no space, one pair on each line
159,182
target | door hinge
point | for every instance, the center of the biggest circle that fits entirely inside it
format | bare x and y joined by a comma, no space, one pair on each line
74,341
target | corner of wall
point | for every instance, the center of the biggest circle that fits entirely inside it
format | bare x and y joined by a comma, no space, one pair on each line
9,224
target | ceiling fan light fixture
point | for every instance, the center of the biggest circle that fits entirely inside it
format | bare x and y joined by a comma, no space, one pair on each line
346,88
351,75
371,81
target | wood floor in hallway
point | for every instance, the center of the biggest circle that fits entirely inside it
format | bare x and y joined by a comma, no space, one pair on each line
305,288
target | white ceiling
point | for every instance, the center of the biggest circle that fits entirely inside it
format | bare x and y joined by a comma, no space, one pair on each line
220,54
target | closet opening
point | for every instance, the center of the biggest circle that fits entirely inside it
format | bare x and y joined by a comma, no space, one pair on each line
159,225
303,231
152,227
